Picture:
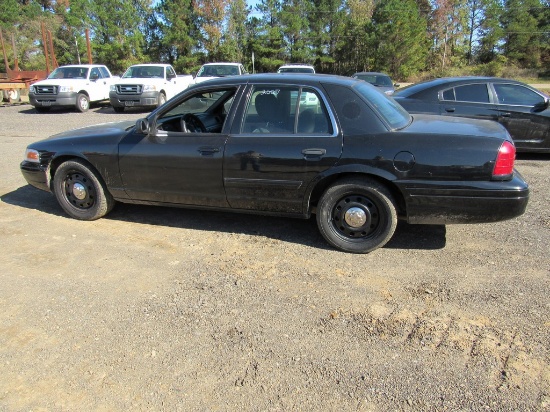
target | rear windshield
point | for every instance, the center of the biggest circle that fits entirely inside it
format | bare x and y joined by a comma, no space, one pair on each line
392,112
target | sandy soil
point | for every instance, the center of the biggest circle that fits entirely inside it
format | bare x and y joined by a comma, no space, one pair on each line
177,310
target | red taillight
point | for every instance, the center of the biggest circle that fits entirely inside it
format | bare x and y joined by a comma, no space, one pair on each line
504,164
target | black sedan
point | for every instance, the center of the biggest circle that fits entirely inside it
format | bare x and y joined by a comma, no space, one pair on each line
355,159
518,107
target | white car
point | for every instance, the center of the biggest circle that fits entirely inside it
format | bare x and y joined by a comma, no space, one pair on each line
214,70
147,85
73,85
296,68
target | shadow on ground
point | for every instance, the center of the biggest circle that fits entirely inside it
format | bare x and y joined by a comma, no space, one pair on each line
424,237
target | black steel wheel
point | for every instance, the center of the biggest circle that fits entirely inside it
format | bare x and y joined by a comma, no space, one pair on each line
357,215
80,192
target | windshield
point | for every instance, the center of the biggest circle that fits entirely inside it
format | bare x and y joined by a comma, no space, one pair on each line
391,111
376,80
69,73
144,72
218,70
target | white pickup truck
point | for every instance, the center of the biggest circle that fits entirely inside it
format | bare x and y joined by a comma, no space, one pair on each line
147,85
72,85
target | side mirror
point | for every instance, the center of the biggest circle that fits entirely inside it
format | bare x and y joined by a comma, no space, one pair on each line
142,126
539,107
396,85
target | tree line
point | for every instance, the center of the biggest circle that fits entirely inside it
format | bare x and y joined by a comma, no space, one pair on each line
405,38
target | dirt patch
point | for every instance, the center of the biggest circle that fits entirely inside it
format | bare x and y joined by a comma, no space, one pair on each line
168,309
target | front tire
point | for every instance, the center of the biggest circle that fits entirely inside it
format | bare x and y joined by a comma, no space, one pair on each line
357,215
162,99
80,192
82,102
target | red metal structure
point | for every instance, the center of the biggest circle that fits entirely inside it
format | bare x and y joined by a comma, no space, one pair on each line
15,79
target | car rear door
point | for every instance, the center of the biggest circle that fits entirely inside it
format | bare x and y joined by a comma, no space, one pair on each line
277,147
468,100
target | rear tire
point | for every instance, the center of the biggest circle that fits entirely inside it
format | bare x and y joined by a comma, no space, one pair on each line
357,215
81,192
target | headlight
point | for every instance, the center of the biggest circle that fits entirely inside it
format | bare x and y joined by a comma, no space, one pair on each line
31,89
32,155
65,89
112,88
149,87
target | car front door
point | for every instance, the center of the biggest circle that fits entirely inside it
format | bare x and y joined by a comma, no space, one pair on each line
98,88
525,114
177,164
278,147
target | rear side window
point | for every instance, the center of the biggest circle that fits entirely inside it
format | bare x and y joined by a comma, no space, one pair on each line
286,110
476,93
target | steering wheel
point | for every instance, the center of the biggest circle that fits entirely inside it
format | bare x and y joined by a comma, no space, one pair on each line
190,123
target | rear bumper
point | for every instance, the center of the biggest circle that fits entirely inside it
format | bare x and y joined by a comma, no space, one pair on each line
460,202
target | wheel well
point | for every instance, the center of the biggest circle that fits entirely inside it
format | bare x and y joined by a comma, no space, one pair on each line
84,92
54,164
321,186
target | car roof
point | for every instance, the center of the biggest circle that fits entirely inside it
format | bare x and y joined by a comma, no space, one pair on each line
222,64
282,78
82,65
150,64
448,81
296,65
372,73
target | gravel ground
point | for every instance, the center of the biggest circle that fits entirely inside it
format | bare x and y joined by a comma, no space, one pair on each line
176,310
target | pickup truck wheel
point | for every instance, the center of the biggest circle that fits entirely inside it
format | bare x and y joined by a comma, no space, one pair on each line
357,215
162,99
118,109
12,96
81,192
82,102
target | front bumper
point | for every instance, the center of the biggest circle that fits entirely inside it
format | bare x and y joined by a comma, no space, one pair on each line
36,175
49,100
144,99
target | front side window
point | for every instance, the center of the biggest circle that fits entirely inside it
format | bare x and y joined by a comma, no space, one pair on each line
202,112
286,110
95,73
517,95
